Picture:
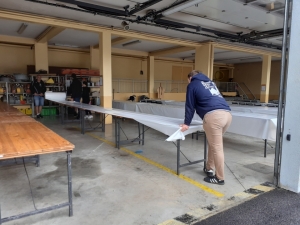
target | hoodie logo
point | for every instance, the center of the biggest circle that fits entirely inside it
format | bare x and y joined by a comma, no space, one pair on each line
212,88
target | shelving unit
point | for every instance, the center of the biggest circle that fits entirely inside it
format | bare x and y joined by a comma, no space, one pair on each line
94,82
15,98
63,82
57,86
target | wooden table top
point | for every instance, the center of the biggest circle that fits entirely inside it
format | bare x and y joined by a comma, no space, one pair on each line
22,136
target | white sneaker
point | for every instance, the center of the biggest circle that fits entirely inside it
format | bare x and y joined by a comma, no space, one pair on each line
90,117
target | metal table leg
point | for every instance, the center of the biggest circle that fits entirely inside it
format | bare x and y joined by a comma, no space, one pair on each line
178,156
70,183
38,211
116,132
62,114
143,134
139,128
82,122
119,132
38,160
103,122
265,150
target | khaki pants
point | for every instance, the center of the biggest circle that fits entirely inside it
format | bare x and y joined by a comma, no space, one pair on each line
215,124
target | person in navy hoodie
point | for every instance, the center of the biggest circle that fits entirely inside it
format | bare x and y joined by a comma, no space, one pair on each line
203,96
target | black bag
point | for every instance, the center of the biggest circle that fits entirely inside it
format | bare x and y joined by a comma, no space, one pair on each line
132,98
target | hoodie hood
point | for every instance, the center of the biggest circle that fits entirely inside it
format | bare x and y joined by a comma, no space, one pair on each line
200,77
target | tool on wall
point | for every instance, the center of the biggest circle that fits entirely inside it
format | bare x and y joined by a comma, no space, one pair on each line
161,91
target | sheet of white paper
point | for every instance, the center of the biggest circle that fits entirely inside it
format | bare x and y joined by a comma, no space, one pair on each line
178,135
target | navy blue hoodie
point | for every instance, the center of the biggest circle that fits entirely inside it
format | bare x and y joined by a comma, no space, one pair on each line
203,96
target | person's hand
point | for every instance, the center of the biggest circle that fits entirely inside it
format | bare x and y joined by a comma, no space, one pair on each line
184,127
41,94
35,94
72,99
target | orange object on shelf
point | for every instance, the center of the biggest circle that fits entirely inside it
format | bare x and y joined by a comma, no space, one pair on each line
81,72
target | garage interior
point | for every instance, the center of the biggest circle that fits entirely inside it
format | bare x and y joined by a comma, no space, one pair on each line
138,47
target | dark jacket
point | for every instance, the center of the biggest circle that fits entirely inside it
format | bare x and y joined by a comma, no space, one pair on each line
38,87
203,96
86,94
76,88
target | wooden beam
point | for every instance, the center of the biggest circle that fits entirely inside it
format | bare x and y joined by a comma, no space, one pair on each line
129,52
58,22
71,24
116,41
170,51
48,34
120,40
17,40
247,49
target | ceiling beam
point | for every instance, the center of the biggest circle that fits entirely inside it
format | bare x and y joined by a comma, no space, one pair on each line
59,22
170,51
120,40
48,34
17,40
116,41
246,49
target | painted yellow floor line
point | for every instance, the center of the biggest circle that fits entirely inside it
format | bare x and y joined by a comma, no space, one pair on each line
185,178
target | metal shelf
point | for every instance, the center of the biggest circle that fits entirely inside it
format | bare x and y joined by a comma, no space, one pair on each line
23,82
46,75
16,93
20,104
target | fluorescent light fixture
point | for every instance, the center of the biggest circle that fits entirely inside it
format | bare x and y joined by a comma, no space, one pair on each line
64,45
249,58
181,7
131,43
22,28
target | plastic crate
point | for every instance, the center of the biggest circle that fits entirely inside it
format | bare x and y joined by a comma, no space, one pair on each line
22,110
45,112
52,111
28,111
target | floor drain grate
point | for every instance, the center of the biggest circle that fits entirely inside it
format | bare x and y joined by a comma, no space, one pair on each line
268,184
231,198
186,218
254,191
210,207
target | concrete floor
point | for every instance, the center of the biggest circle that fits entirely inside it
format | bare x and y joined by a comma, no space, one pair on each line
109,188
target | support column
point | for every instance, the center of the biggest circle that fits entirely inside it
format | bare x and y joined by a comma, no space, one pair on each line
41,56
106,71
150,77
204,59
265,79
290,154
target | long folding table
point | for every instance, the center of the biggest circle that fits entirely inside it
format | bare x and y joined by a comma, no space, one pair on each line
252,121
21,137
165,125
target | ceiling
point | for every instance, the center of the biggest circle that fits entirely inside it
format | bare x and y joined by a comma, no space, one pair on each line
228,16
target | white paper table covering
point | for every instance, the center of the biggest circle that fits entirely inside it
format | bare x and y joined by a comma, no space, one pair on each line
165,125
258,125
